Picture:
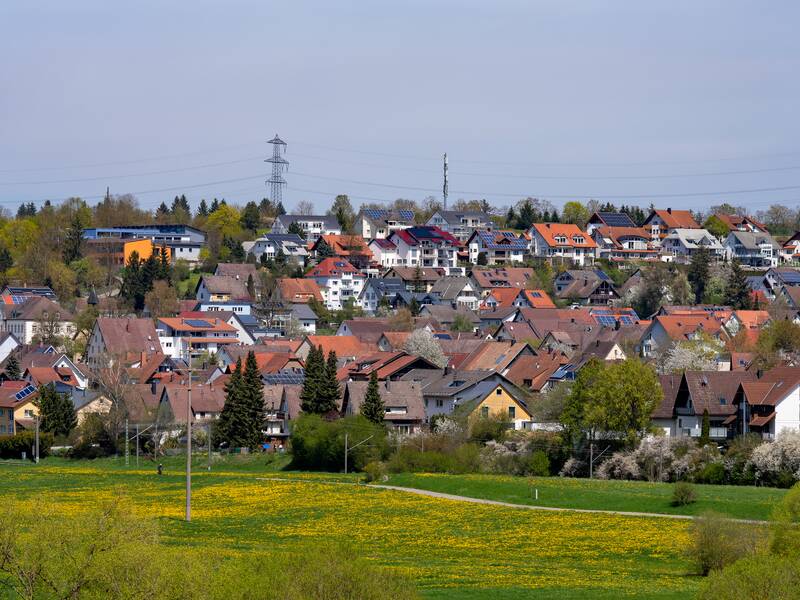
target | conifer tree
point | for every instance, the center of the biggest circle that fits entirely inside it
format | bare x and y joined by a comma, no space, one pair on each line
73,241
279,210
251,286
12,368
253,401
314,368
202,210
57,411
233,421
373,408
737,292
162,210
329,392
214,206
6,260
698,273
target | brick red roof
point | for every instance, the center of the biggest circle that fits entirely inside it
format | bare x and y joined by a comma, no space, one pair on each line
298,291
334,267
549,232
675,219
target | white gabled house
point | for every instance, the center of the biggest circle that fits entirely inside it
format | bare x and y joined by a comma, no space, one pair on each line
338,280
425,246
562,240
499,247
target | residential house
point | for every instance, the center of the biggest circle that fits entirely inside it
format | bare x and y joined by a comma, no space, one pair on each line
183,241
386,365
313,226
445,315
457,291
270,245
348,246
120,339
8,344
218,288
664,330
366,329
380,291
180,337
427,247
609,219
496,356
741,223
770,405
378,223
624,243
384,252
508,297
207,402
20,295
755,249
460,224
791,248
496,247
585,287
347,347
239,307
393,341
37,317
662,222
682,244
487,280
534,372
563,241
689,396
492,318
339,282
777,278
296,291
402,400
417,280
503,401
243,334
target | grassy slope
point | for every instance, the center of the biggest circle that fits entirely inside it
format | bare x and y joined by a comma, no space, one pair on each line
451,549
634,496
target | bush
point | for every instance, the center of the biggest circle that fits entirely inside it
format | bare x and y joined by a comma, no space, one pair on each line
683,494
485,429
718,542
318,444
375,471
713,473
574,467
764,577
786,530
621,465
778,462
12,446
94,441
538,464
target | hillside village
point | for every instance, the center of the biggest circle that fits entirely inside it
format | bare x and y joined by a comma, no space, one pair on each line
430,314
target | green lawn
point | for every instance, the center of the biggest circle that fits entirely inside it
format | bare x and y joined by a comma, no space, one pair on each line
451,549
630,496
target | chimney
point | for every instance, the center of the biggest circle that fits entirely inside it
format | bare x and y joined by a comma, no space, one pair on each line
387,384
153,386
669,210
447,369
616,325
127,326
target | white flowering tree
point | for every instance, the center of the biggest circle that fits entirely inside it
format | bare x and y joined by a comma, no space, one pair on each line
422,343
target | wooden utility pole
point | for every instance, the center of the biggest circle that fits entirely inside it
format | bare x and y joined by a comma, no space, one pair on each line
189,441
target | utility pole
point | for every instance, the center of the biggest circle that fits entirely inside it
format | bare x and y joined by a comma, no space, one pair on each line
127,445
444,187
189,439
137,445
208,434
36,450
591,459
347,449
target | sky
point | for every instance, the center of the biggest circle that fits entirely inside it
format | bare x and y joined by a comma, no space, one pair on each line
682,104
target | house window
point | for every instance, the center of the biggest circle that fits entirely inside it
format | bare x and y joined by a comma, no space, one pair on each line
439,403
498,391
512,412
485,411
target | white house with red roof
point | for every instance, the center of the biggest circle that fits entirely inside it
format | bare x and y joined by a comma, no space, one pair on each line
384,252
338,280
562,240
179,335
426,246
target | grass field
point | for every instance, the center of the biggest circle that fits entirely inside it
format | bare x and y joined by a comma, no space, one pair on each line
629,496
451,549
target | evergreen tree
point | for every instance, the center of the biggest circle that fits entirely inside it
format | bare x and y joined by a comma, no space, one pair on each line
294,227
414,307
73,241
373,408
329,392
214,206
176,204
162,211
546,217
132,290
6,260
554,216
418,285
251,286
202,210
314,370
698,273
324,250
233,420
184,204
56,411
12,368
250,217
526,216
253,400
280,258
164,270
266,208
279,210
511,217
235,248
738,292
705,430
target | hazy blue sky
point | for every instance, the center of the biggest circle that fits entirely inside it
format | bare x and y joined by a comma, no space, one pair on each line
552,99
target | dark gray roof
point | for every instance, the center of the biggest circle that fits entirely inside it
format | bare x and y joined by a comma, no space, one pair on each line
446,382
448,288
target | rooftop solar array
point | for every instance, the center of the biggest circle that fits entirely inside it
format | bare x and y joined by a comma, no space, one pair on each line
616,219
25,392
380,213
285,377
198,323
792,277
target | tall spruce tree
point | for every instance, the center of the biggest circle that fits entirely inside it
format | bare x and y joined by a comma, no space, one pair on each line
202,210
234,424
74,240
373,408
12,368
737,292
698,273
56,410
253,400
329,392
314,369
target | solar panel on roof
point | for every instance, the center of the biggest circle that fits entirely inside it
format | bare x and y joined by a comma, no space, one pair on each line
198,323
791,277
617,220
408,215
626,320
24,392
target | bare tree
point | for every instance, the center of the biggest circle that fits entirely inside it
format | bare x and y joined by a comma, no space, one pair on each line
304,207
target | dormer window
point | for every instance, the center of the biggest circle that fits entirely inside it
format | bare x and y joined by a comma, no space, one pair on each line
578,239
560,239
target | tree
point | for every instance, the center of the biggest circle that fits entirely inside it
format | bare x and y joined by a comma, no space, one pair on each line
252,396
344,213
324,250
716,227
234,427
305,208
461,323
314,373
705,430
56,411
699,354
294,227
737,292
402,320
482,260
576,213
202,209
6,260
280,210
251,286
414,307
373,408
698,273
251,217
329,393
12,368
422,343
74,240
162,300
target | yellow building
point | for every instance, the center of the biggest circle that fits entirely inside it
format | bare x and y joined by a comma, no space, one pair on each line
24,414
114,252
500,401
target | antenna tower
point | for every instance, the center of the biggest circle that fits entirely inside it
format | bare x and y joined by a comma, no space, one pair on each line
279,164
444,188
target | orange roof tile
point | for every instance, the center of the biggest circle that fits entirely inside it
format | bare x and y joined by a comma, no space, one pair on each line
549,231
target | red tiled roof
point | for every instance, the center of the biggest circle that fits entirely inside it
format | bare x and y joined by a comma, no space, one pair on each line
343,345
298,290
346,244
181,324
676,219
333,267
549,231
